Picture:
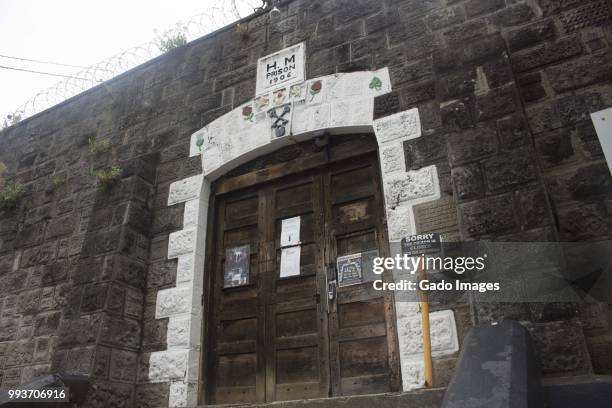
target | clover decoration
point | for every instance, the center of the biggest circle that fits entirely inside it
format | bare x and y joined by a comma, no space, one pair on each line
200,142
376,84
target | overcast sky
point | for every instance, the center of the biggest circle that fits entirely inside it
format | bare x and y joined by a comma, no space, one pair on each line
77,33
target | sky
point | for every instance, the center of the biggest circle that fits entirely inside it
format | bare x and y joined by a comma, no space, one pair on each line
79,33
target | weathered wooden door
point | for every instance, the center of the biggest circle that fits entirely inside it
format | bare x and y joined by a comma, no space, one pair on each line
288,331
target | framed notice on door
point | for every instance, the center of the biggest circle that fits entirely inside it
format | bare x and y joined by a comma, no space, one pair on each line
349,269
236,272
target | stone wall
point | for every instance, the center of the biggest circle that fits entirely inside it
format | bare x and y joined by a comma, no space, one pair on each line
503,90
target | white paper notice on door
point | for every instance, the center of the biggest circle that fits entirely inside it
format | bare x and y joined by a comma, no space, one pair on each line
290,261
290,232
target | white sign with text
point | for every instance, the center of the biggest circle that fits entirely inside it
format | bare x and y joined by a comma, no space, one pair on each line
284,67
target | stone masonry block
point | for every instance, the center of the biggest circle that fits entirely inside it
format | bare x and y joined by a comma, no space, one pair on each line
404,125
409,186
510,169
182,242
546,53
168,365
443,329
399,221
487,216
472,144
184,190
392,158
468,181
178,332
173,301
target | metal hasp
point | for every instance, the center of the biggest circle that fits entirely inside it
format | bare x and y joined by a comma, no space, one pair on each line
497,368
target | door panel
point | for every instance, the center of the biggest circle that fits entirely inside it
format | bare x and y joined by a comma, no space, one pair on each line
238,321
280,337
362,346
297,358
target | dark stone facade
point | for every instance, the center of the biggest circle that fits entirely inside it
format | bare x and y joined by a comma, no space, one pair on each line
504,89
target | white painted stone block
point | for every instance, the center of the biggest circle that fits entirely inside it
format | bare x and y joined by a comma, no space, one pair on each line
184,190
413,374
168,365
173,301
301,118
384,85
356,85
320,118
178,395
443,334
216,131
313,97
185,268
195,332
178,335
182,394
400,222
198,142
362,112
211,160
335,87
236,121
403,125
182,242
409,186
192,213
341,113
392,158
193,365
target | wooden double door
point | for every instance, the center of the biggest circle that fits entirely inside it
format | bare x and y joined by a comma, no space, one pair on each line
284,329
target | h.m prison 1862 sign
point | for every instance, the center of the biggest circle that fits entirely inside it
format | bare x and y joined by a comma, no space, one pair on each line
284,67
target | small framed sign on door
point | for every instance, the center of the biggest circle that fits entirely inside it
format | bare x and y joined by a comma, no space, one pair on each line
236,271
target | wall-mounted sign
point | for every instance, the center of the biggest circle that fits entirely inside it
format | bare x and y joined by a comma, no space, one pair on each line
290,261
236,271
417,245
280,120
349,269
602,121
282,68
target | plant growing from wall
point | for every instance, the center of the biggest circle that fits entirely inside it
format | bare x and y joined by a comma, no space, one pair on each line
109,176
10,192
98,146
58,181
10,195
171,39
106,176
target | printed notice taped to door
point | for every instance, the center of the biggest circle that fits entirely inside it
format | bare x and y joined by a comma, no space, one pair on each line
349,269
290,261
367,265
290,232
236,272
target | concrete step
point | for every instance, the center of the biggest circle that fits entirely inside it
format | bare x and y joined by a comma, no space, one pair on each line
578,392
425,398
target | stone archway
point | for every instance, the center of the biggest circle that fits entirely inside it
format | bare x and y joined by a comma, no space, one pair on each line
335,104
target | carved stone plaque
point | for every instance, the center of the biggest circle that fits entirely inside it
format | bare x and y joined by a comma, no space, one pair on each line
438,216
280,69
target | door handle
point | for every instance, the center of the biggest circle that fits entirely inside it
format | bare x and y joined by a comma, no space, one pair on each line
332,289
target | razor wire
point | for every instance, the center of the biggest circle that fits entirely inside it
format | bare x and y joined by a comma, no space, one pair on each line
214,18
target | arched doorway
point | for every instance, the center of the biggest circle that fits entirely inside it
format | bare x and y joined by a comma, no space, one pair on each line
281,322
